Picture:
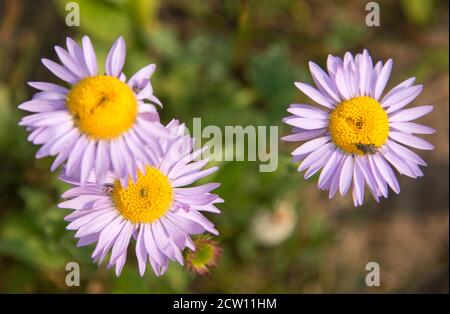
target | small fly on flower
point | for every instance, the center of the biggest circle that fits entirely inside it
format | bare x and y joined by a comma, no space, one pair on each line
109,188
367,148
361,133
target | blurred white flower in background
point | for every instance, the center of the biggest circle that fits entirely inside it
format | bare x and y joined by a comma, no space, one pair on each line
270,228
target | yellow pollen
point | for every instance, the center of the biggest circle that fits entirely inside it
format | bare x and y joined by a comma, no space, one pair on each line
103,107
357,122
146,200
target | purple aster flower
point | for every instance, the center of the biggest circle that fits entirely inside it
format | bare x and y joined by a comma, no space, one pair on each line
158,210
101,122
360,134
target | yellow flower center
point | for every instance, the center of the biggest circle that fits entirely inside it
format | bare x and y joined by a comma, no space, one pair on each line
359,125
103,107
146,200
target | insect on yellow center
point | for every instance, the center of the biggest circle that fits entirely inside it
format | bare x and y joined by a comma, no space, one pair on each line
146,200
103,107
357,123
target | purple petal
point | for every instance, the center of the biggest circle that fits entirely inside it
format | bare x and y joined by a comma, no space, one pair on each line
163,242
117,162
151,129
70,63
375,73
185,180
317,161
411,140
76,155
102,162
398,163
346,175
60,71
315,156
411,127
387,173
120,262
116,58
63,146
410,114
314,94
365,73
201,189
333,63
306,111
310,146
380,181
383,79
363,166
200,219
77,54
87,162
341,84
303,136
66,141
80,202
176,235
86,219
141,252
87,240
323,82
307,124
403,85
49,96
49,87
329,168
401,98
45,118
188,169
333,181
405,153
80,190
52,133
358,185
352,80
187,225
98,223
150,245
89,55
143,74
108,236
121,243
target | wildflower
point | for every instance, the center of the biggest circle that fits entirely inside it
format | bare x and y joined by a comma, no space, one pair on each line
360,134
101,122
157,209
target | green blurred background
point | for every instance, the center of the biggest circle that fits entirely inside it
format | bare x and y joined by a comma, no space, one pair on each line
234,63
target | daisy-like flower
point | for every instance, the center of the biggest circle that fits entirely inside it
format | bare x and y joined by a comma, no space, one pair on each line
359,134
157,210
101,122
